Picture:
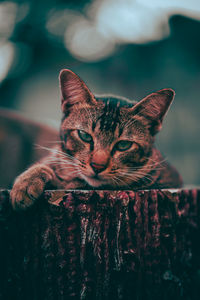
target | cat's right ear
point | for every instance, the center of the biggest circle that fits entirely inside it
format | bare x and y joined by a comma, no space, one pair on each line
73,90
154,107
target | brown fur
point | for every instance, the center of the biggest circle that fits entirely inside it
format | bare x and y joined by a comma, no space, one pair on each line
99,162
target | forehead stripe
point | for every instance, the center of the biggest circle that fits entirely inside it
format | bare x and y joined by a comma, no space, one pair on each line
110,117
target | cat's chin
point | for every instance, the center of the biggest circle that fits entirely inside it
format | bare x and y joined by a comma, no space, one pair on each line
94,182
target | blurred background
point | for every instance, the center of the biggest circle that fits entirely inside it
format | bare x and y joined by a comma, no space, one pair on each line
125,47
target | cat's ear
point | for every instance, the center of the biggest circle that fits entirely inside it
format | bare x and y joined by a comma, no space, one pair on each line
73,90
154,107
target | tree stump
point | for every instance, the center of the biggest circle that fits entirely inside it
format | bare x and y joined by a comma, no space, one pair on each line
102,245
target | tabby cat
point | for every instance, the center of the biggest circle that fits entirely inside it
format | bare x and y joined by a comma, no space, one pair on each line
106,142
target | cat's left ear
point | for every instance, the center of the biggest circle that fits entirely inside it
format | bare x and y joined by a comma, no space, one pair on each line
73,90
154,107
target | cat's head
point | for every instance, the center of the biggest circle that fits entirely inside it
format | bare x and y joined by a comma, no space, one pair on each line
109,138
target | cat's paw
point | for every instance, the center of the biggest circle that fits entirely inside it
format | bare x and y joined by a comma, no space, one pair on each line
29,186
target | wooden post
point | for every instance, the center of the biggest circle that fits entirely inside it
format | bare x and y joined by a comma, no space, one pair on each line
102,245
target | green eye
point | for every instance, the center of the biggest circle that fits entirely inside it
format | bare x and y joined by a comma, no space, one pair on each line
123,145
84,136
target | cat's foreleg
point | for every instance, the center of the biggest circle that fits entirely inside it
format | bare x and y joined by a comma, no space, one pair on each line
76,184
30,185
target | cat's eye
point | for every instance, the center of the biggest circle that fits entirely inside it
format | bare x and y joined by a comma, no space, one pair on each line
123,145
84,136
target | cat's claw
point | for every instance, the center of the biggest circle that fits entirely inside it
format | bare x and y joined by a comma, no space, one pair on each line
20,200
29,186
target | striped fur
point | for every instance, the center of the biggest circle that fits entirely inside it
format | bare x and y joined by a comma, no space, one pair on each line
90,153
109,119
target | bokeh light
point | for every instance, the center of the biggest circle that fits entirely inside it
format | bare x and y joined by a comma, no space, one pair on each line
6,59
113,22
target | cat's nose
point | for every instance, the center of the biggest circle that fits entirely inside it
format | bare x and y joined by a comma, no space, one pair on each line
97,167
99,161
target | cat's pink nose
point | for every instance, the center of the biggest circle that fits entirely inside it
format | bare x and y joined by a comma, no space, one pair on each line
97,168
99,161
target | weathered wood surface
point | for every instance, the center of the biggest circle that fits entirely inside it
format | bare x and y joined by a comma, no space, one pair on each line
102,245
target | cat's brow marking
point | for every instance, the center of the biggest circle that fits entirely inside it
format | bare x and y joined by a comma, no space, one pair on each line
93,125
110,117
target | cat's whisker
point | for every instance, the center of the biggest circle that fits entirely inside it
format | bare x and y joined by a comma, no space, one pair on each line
145,169
119,181
72,172
64,165
52,150
124,183
54,142
135,175
148,168
114,181
155,165
68,166
157,162
60,159
63,162
56,151
140,173
144,177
